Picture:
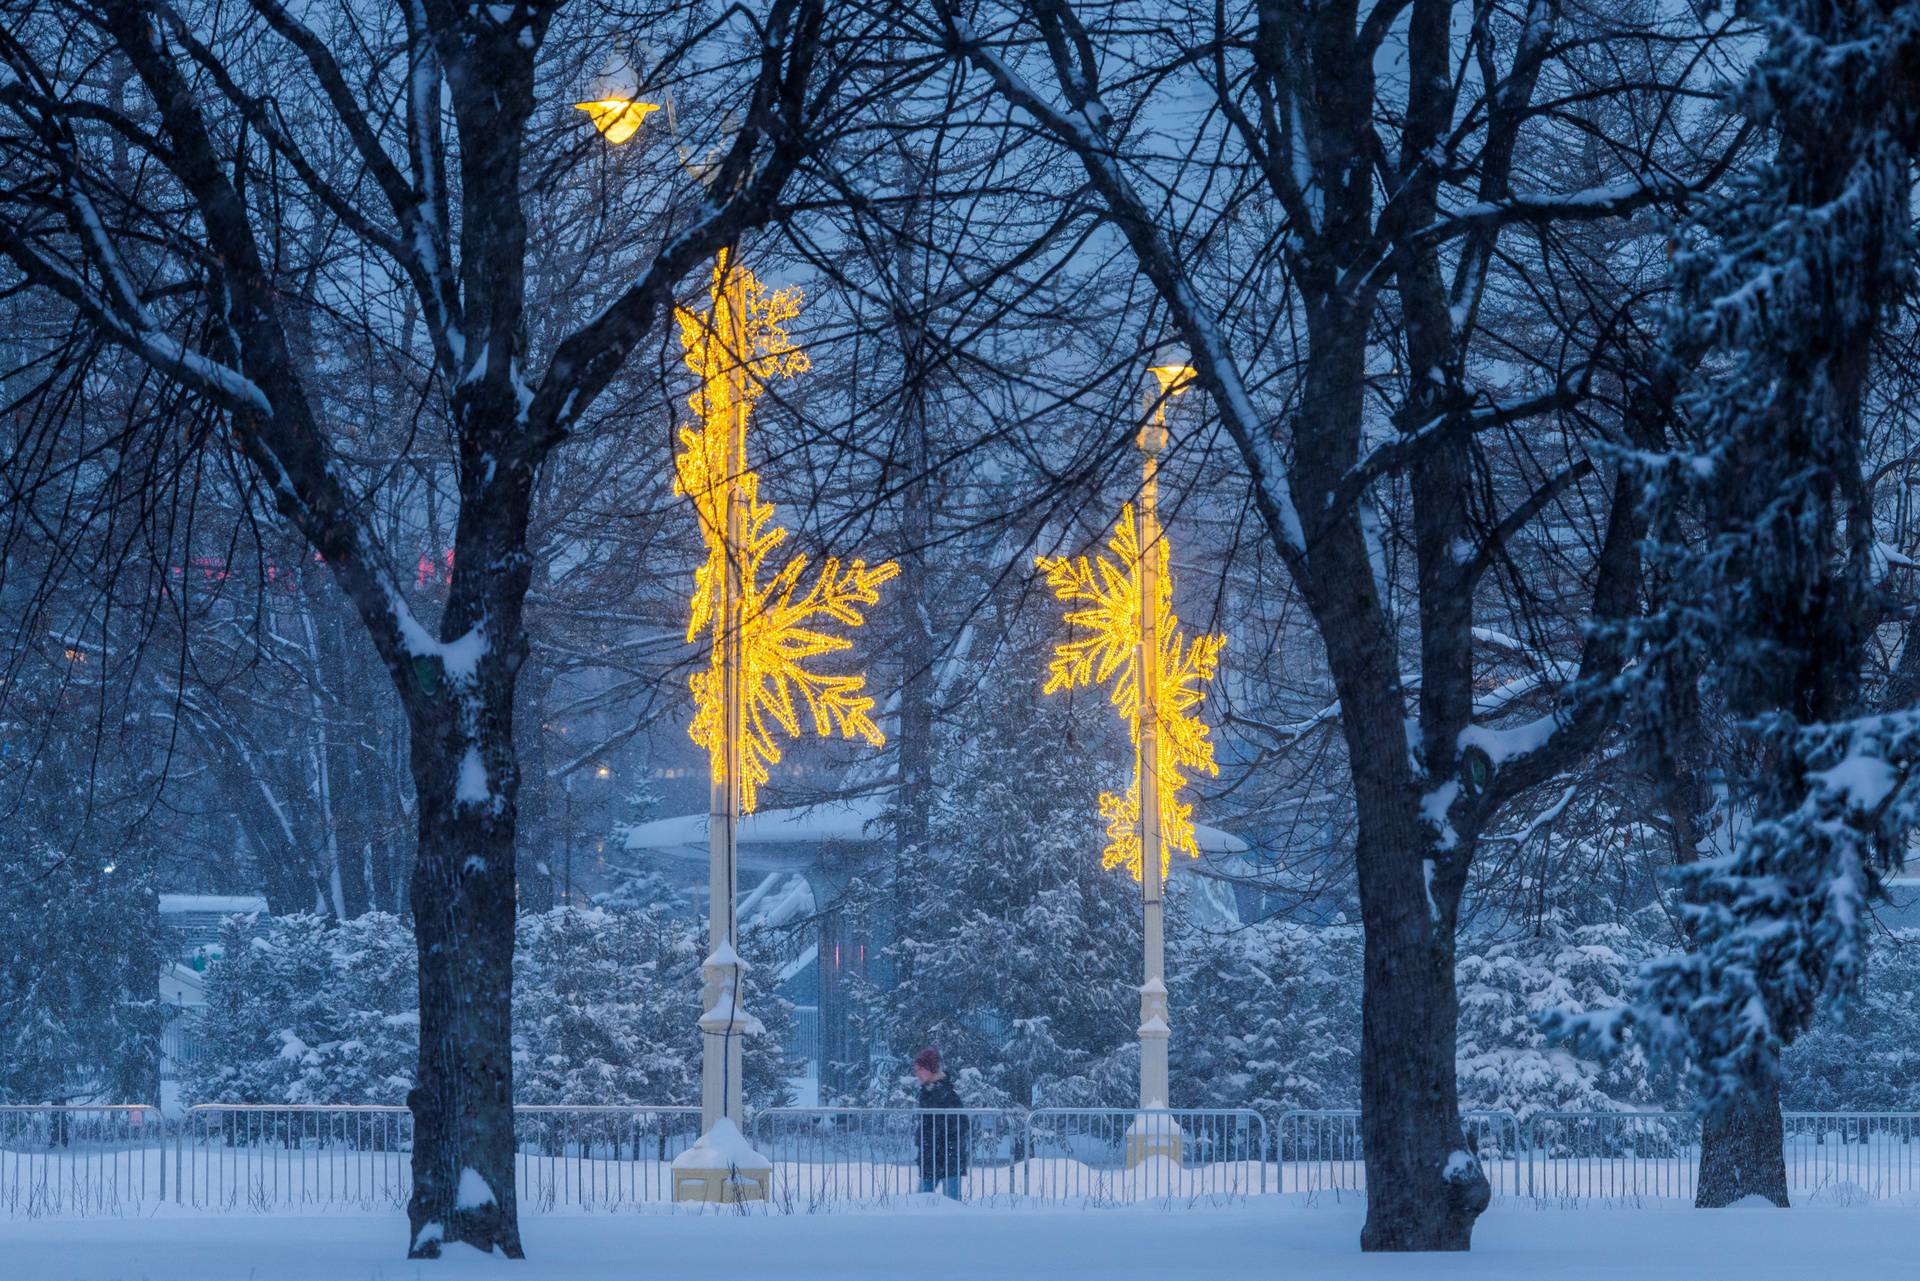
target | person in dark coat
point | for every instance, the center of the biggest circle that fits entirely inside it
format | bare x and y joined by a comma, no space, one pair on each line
943,1131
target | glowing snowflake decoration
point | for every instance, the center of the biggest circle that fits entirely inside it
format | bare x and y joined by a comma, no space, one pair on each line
780,626
1107,593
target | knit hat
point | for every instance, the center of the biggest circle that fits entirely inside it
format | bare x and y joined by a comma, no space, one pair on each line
928,1060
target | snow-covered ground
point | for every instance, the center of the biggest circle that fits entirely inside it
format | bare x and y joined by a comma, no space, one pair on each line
930,1240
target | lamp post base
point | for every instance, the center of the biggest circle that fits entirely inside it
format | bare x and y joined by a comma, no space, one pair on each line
722,1168
1153,1135
731,1186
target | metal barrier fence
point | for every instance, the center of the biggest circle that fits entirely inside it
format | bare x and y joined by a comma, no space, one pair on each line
100,1159
1612,1156
804,1045
1321,1151
600,1157
1621,1156
232,1156
1854,1155
1126,1154
826,1155
80,1160
181,1045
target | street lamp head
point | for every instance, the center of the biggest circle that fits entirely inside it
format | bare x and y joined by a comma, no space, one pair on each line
1173,367
618,119
614,105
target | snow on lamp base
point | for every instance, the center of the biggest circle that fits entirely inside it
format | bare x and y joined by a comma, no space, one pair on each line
1153,1134
722,1167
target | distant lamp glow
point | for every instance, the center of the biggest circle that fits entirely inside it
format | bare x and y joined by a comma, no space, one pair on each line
1173,367
735,347
603,772
1107,595
618,119
614,103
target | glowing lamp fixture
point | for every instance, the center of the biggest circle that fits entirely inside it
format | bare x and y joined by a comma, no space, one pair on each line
618,119
614,103
1173,367
1174,379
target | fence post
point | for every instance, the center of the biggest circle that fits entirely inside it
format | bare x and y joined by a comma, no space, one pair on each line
1026,1166
1260,1152
1526,1141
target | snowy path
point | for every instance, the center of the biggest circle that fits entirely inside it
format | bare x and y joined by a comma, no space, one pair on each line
1265,1239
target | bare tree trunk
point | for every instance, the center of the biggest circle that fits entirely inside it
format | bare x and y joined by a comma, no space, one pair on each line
462,1098
466,776
534,871
1425,1186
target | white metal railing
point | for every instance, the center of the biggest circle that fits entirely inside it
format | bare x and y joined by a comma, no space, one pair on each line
1613,1156
249,1157
1128,1154
1866,1156
181,1045
1622,1156
823,1156
1321,1150
81,1160
1557,1156
804,1045
116,1159
603,1157
233,1156
1318,1150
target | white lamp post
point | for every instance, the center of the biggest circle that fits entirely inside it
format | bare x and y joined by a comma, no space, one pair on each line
1151,1134
723,1165
1133,639
760,638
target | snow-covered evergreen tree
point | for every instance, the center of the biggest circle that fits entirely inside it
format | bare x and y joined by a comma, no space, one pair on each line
81,950
607,1007
590,1022
1785,281
1506,1058
1016,954
639,882
1867,1057
307,1009
1265,1017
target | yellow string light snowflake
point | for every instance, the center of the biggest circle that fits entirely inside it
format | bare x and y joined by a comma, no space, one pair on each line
1108,595
735,348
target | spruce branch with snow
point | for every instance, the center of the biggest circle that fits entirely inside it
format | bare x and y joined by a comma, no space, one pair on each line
1786,278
